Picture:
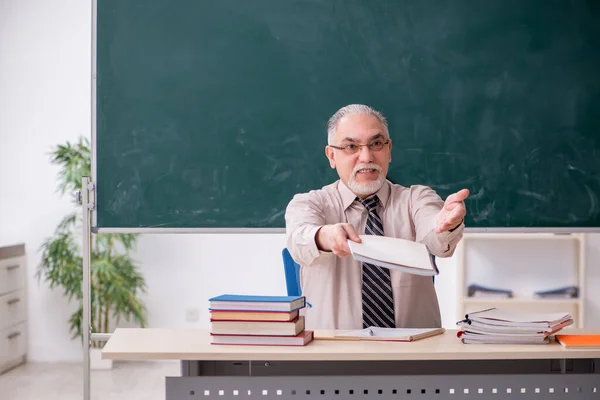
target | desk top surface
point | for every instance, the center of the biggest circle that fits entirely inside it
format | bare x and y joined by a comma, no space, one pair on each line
194,344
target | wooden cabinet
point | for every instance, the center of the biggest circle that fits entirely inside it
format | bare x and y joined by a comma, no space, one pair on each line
13,307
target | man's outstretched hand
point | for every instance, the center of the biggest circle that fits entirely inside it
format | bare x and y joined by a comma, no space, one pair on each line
454,211
335,237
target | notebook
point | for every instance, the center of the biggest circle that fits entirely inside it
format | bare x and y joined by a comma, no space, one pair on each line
483,328
394,253
271,328
579,341
241,302
500,317
385,334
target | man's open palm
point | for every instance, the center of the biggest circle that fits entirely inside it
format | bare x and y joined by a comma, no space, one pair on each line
454,211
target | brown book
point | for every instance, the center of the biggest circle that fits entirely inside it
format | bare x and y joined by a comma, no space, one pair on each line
231,315
302,339
271,328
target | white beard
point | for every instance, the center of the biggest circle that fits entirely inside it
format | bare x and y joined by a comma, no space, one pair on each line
365,189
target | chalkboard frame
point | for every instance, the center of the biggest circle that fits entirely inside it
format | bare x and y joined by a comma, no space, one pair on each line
96,229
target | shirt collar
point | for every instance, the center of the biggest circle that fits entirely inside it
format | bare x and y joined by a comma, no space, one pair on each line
348,196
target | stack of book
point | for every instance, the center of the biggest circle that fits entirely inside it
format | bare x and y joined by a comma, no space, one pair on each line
496,326
258,320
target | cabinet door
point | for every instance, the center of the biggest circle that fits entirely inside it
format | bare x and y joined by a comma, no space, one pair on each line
11,274
12,309
13,344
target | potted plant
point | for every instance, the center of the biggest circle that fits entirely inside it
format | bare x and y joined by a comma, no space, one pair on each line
116,283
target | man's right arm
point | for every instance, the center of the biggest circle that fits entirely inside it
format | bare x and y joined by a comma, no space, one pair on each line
307,235
303,219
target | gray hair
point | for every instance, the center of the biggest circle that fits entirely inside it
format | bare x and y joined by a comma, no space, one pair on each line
352,109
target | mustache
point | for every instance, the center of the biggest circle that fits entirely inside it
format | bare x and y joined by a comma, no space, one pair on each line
366,166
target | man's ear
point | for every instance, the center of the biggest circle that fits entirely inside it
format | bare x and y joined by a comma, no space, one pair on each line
330,156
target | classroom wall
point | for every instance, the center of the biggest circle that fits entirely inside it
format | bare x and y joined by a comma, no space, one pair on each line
44,101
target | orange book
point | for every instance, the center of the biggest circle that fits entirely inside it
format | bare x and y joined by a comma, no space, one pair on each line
579,341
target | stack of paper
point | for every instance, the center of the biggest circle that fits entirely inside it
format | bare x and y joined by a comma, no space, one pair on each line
496,326
394,253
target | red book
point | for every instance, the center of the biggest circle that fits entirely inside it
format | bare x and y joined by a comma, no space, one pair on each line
234,315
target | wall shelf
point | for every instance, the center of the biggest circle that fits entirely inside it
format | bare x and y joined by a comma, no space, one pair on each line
521,278
513,300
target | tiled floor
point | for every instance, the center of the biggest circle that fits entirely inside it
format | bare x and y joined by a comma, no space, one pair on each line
127,380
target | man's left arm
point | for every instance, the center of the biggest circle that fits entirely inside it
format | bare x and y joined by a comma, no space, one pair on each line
438,224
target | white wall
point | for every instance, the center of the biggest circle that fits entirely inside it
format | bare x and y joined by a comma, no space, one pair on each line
44,101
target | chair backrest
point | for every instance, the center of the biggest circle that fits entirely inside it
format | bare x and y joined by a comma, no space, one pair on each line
292,274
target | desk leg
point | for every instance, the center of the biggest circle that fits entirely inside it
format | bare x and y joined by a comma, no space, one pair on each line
199,368
190,368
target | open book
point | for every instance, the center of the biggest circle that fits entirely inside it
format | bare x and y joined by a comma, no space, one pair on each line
383,334
394,253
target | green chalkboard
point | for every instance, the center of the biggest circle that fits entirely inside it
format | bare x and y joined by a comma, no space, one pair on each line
212,113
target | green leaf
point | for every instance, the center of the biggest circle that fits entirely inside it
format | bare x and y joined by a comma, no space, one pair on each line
116,283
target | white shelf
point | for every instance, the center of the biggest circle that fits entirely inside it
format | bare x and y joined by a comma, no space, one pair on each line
574,305
522,300
521,236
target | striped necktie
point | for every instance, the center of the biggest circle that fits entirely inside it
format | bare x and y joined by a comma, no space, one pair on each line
377,298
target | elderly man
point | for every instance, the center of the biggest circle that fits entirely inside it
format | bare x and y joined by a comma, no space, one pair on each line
344,293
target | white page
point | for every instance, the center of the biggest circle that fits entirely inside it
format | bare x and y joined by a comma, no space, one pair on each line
390,251
518,316
383,264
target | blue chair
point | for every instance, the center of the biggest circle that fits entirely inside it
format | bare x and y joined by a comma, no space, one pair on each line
292,274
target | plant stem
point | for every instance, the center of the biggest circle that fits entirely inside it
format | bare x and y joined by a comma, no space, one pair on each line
106,312
106,298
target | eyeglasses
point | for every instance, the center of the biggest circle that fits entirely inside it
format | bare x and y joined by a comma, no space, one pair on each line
352,148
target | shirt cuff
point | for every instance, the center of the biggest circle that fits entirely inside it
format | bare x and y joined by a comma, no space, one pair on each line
456,227
444,241
313,250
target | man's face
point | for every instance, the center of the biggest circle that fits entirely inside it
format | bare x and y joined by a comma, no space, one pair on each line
363,171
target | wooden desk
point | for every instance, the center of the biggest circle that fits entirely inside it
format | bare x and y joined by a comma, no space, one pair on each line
326,369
